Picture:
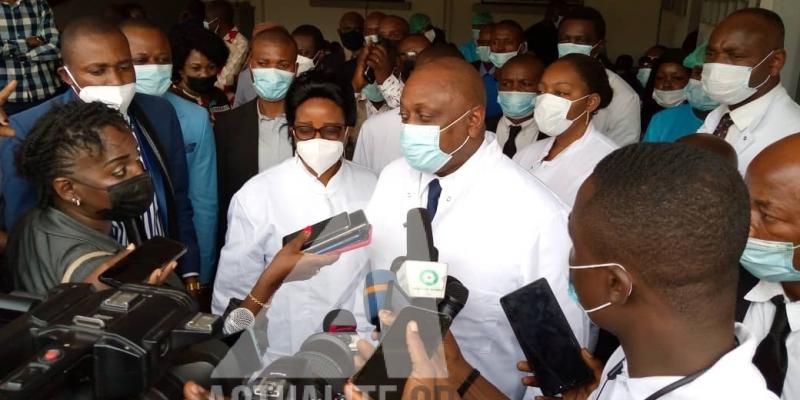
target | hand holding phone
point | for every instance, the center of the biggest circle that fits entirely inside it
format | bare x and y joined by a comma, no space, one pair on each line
138,266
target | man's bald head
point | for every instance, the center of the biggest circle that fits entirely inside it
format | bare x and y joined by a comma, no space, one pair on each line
276,35
350,20
714,144
451,75
372,22
416,43
393,28
527,61
437,51
778,158
764,21
83,28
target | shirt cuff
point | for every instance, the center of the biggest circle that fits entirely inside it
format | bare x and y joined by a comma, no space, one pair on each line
189,275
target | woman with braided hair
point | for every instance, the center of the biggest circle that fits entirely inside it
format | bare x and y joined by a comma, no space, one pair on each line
86,164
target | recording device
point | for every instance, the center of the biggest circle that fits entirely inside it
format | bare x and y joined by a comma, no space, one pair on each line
115,343
342,325
137,266
419,236
546,338
369,74
336,235
238,320
375,292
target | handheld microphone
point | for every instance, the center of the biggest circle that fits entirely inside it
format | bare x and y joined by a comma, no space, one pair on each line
339,320
423,279
455,297
375,293
238,320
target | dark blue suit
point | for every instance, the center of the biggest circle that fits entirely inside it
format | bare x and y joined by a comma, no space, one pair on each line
174,206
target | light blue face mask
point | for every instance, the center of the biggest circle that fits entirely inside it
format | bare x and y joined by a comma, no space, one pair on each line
643,75
153,79
500,59
420,146
484,53
698,97
373,93
574,295
570,48
517,104
271,83
770,261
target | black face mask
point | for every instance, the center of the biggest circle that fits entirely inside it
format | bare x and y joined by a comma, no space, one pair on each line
201,85
408,67
129,198
352,40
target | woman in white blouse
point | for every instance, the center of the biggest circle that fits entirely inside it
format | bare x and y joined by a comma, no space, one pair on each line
572,90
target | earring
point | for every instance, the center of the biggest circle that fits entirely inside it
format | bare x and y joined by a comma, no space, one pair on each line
76,201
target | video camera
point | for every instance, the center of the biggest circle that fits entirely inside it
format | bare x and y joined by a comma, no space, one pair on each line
115,343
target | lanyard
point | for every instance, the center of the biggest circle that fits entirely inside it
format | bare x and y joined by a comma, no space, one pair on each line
614,372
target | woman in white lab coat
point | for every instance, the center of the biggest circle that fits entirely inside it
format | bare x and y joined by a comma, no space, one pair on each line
572,90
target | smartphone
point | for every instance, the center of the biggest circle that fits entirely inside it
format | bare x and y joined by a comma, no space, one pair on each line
330,226
390,365
344,232
137,266
546,338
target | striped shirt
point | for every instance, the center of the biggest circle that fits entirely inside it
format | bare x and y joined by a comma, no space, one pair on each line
33,68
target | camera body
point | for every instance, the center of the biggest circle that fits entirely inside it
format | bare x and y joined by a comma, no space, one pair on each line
110,344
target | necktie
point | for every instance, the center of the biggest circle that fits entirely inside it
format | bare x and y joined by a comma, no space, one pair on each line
771,356
510,148
434,191
724,124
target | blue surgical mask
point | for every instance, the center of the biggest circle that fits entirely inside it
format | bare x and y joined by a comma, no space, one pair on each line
643,75
574,295
153,79
770,261
373,93
420,146
570,48
484,53
271,83
517,104
500,59
698,97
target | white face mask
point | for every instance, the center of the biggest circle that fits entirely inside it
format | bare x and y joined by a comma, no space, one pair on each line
570,48
116,97
669,98
574,294
304,64
551,113
730,84
320,154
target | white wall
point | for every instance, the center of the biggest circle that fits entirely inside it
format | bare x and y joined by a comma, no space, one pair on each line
631,25
790,12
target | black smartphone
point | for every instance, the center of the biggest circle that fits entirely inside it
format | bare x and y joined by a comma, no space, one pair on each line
390,365
546,338
137,266
344,232
328,227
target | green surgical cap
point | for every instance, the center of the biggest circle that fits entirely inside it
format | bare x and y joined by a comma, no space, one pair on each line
481,18
418,22
696,58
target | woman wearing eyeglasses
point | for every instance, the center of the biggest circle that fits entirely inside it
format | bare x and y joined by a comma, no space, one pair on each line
314,185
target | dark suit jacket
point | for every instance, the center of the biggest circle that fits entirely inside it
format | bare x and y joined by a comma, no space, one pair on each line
236,133
171,186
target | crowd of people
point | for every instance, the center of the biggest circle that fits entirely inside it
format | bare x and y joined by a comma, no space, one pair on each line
659,200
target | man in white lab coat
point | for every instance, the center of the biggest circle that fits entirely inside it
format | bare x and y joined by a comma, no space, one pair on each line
314,185
495,225
742,72
773,316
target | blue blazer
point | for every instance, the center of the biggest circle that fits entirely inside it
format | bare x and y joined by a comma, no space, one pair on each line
20,194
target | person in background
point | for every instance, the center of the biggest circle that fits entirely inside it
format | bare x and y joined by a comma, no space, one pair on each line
313,186
193,14
469,49
518,82
484,42
197,56
372,23
623,67
458,175
351,33
29,53
771,256
254,137
542,37
122,12
378,141
421,24
84,162
152,61
665,90
583,31
310,48
646,63
743,63
219,19
507,42
572,91
380,58
245,91
87,43
673,123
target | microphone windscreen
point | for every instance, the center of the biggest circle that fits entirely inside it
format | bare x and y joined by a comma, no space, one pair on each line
339,320
375,293
238,320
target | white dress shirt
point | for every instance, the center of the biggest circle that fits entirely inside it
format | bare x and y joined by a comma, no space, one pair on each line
526,136
565,174
492,250
379,140
271,205
621,120
759,319
757,124
274,144
732,377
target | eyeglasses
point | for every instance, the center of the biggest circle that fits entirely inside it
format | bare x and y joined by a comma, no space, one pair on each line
329,132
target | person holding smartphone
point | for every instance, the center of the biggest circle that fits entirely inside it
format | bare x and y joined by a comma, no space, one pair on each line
85,162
